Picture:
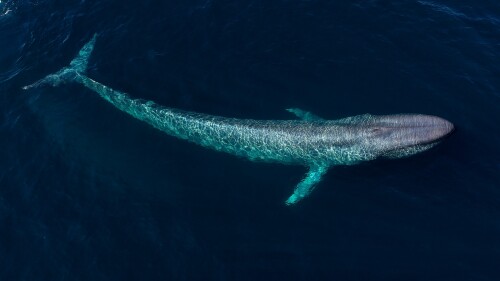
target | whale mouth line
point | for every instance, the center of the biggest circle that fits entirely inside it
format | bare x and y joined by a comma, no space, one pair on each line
425,128
408,134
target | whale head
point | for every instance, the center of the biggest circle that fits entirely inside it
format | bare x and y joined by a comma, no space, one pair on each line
402,135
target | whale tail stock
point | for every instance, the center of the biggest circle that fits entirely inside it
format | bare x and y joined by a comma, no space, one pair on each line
76,68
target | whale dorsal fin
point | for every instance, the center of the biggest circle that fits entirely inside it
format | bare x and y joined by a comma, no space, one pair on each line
306,186
304,115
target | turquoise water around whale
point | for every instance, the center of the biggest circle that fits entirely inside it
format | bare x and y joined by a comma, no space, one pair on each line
89,193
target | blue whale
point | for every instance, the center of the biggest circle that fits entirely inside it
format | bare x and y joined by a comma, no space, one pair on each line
309,141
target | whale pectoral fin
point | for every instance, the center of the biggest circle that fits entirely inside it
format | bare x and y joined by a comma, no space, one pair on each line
306,186
304,115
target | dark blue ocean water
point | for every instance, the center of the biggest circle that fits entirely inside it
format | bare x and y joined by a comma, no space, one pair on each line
89,193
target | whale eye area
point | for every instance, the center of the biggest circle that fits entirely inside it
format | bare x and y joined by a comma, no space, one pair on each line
379,131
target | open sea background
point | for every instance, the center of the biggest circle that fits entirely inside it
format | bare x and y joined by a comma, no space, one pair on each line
89,193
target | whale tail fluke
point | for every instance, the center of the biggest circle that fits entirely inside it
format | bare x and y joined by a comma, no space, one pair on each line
76,68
